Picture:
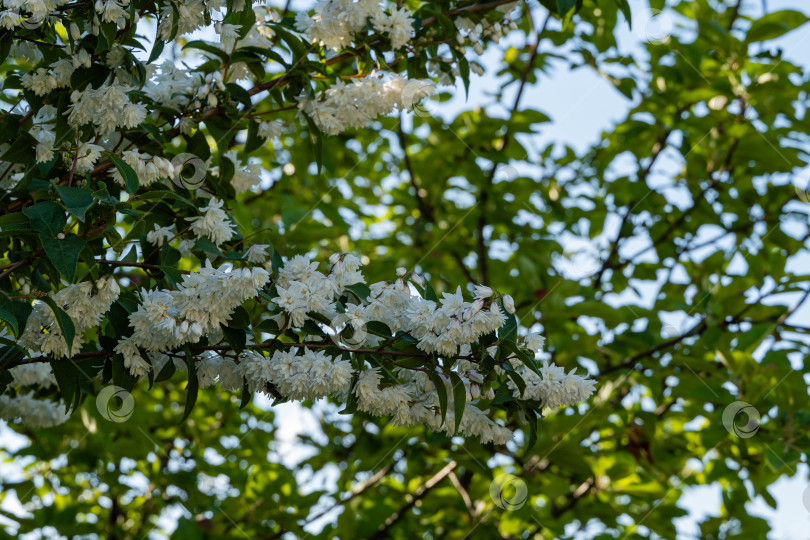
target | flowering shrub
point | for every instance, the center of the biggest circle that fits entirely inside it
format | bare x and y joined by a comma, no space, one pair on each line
121,159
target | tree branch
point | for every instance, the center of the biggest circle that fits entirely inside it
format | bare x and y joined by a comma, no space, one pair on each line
418,494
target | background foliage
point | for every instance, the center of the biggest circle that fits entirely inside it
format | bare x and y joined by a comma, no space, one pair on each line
678,303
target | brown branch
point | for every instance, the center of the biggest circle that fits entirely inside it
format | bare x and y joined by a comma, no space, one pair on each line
355,492
135,265
695,330
270,345
412,499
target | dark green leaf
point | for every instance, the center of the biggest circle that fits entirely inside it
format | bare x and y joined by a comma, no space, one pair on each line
63,320
127,173
64,253
76,200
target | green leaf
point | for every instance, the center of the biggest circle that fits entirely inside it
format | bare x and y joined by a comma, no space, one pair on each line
192,387
7,313
14,223
411,362
46,217
532,421
127,173
197,144
239,319
119,320
512,347
63,320
64,253
379,329
509,329
166,371
76,200
564,6
21,309
361,290
351,401
751,339
207,47
518,380
246,395
236,338
459,398
157,48
774,25
441,389
253,140
624,6
66,374
430,293
22,150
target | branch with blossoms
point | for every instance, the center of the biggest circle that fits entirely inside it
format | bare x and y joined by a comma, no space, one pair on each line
402,352
123,153
250,48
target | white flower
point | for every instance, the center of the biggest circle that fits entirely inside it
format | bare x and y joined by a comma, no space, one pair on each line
214,223
482,291
160,234
228,34
86,157
535,342
361,102
247,179
40,82
84,303
257,253
133,360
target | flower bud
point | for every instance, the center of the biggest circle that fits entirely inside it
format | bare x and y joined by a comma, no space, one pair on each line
401,271
508,304
74,32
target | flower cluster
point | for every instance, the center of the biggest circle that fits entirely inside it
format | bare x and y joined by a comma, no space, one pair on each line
89,108
85,303
107,107
193,14
447,328
213,223
32,410
149,168
204,301
554,387
310,375
359,103
335,22
445,332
